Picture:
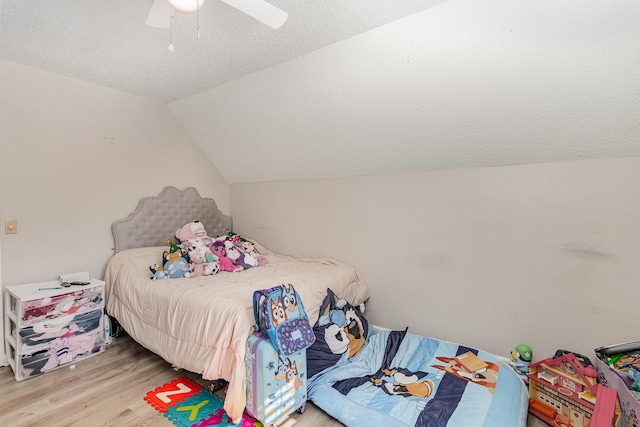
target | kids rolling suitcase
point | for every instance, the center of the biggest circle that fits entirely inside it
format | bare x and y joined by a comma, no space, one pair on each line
276,385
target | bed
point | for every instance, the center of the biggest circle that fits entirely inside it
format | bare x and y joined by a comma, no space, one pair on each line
201,324
387,378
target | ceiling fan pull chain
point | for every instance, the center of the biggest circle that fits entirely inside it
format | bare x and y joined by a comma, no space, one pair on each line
198,21
171,48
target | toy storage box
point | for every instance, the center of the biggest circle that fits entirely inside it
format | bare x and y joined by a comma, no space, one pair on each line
48,326
630,407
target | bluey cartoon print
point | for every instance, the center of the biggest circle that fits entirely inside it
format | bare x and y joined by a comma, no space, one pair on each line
278,314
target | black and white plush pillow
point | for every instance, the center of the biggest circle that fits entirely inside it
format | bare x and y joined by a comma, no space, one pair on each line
341,331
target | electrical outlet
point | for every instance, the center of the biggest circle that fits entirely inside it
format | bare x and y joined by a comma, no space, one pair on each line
11,226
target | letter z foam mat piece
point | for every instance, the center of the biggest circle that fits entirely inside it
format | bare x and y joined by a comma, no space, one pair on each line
188,404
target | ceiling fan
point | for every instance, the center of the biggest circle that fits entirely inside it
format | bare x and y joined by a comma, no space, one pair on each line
162,11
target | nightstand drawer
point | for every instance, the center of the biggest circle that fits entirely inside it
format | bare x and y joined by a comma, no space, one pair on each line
33,311
62,352
32,338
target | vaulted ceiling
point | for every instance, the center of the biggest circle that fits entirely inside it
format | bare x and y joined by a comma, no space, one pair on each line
364,86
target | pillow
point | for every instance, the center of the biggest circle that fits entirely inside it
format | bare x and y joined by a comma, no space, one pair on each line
341,331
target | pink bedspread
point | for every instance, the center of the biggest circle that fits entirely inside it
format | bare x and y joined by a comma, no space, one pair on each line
201,324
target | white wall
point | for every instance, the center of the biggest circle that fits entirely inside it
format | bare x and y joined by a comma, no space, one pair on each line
3,357
75,158
542,254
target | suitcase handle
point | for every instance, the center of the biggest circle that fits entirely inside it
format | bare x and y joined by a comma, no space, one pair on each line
256,298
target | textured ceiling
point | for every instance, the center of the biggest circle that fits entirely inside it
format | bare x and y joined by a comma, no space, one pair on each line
361,87
106,41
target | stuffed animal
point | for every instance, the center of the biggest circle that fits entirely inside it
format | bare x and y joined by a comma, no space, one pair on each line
226,263
242,252
521,358
250,248
158,272
241,256
196,243
203,261
232,251
174,248
194,230
247,261
174,264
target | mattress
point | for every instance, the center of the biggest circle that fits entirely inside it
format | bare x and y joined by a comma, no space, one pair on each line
400,379
201,324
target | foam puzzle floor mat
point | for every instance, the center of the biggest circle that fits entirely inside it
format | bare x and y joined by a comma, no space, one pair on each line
188,404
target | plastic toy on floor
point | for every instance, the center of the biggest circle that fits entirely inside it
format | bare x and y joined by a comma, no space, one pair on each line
568,384
634,374
521,358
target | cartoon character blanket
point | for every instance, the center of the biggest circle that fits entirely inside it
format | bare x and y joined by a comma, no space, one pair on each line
401,379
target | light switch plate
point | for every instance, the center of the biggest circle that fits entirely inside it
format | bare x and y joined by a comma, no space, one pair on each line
11,226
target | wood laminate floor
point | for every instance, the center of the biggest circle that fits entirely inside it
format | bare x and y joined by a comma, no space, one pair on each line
108,390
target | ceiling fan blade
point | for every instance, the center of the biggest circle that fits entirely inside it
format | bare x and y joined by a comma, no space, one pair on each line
260,10
160,14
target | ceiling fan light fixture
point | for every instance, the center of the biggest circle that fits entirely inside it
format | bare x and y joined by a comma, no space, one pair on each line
186,6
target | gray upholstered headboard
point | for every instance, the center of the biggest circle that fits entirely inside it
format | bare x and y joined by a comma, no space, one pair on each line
157,219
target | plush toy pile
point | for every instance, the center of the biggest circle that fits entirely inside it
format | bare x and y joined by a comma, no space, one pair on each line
197,245
198,254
